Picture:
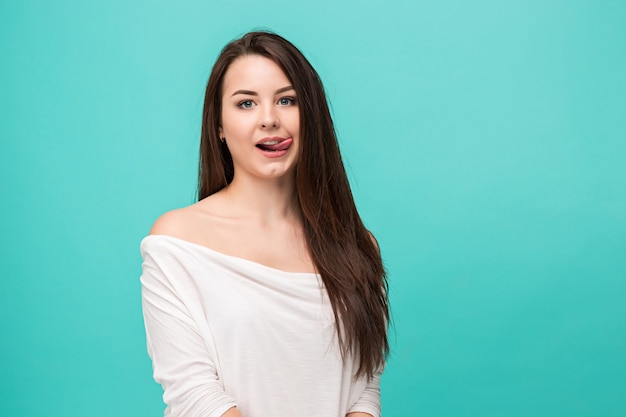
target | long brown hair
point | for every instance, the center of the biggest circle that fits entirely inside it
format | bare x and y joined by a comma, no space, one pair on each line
343,251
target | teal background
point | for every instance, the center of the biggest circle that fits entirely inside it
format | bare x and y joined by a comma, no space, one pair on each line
485,142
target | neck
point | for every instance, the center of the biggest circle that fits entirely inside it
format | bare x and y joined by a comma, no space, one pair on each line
269,201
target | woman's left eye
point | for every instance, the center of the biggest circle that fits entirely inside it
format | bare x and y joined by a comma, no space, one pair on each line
287,101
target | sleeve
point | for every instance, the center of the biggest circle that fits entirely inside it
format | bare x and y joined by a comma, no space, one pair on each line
181,359
369,401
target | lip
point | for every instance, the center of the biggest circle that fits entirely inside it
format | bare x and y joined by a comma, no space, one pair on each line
283,143
276,138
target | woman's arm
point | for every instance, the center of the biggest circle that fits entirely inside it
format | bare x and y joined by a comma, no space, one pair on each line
368,404
233,412
181,361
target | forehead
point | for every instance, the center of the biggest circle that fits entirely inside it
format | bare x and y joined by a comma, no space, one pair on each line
254,72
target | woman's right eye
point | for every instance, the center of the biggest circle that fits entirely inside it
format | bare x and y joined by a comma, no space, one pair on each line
245,104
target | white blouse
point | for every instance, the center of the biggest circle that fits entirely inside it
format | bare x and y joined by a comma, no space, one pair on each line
224,331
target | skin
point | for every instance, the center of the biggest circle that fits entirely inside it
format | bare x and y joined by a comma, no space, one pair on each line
233,412
256,216
259,102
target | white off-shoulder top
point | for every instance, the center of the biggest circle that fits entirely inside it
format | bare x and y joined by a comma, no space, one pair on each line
224,331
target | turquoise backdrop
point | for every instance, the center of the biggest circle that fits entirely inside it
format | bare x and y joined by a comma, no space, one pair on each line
485,141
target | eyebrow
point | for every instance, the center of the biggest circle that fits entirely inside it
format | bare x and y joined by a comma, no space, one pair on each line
254,93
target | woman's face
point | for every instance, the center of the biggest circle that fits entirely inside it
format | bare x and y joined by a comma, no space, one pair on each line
260,118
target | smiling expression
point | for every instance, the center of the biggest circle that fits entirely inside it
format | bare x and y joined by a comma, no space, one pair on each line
260,118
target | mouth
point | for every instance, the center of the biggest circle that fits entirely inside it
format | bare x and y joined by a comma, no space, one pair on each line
274,145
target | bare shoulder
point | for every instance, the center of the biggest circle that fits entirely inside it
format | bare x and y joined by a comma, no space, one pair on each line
374,241
172,223
182,223
197,223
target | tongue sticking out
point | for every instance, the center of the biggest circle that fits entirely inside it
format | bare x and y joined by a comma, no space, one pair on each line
280,146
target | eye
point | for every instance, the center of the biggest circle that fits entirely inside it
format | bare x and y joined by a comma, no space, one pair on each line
245,104
287,101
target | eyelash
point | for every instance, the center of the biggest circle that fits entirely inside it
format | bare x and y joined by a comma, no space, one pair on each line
242,104
292,100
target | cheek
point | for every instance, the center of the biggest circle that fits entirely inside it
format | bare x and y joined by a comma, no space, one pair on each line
229,123
294,123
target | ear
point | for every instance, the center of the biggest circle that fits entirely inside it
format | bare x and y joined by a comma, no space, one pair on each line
221,132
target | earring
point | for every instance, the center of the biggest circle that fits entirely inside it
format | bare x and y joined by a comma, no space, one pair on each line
223,140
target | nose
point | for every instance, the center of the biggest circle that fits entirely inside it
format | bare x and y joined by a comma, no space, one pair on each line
269,118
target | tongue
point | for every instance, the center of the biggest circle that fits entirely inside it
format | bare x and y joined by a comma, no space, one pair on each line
280,146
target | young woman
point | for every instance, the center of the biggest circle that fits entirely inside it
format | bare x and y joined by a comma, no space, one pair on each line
267,297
